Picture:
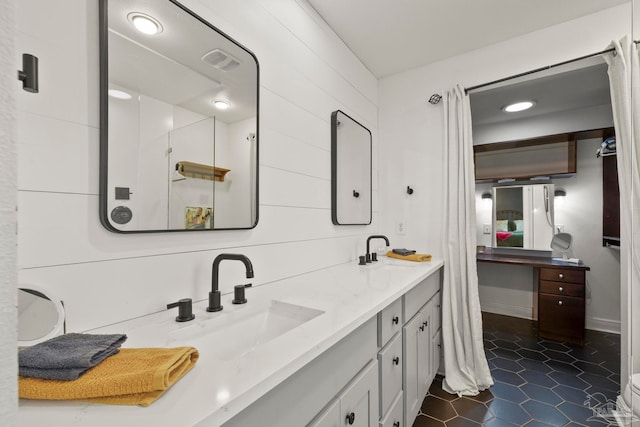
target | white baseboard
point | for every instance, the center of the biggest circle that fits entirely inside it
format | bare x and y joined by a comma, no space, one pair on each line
508,310
603,325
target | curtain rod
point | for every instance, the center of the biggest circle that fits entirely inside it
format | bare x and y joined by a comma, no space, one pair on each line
548,67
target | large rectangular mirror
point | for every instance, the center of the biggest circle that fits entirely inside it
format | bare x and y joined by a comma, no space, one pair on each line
350,171
179,121
523,217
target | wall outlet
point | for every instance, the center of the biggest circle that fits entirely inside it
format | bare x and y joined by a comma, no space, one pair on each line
559,228
486,228
401,228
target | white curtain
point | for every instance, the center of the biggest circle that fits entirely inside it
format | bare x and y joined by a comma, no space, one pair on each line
624,79
466,368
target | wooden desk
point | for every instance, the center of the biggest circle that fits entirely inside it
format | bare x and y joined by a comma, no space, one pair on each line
561,295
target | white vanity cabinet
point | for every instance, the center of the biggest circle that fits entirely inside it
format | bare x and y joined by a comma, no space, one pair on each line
420,343
377,376
409,355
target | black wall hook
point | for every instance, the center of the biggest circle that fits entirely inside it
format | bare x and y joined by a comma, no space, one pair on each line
356,194
29,73
409,190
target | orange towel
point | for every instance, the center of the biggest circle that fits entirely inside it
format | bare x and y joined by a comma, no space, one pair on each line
413,257
134,376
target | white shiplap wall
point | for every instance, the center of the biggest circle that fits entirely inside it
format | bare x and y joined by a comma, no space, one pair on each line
306,73
8,331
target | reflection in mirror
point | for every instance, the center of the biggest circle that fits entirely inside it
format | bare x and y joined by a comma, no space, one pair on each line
561,242
523,216
179,122
350,171
40,316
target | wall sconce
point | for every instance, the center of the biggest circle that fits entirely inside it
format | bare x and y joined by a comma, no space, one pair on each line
29,73
559,197
487,199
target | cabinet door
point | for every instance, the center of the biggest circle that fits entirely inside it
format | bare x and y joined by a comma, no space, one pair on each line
415,339
330,417
359,401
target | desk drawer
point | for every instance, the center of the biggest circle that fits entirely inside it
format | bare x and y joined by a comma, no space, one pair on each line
561,317
560,288
562,275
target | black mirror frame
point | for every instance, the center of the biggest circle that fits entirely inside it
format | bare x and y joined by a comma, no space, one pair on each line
103,26
334,170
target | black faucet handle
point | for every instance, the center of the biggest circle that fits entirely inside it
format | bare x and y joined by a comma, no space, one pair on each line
238,294
185,310
214,301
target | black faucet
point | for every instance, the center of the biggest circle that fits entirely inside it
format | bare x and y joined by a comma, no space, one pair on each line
214,295
374,256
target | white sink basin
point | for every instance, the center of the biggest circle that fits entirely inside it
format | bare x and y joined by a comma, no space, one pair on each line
237,332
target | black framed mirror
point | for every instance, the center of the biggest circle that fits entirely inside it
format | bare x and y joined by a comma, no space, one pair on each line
178,121
350,171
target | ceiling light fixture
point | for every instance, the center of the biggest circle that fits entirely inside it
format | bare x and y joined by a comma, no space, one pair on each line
518,106
144,23
221,104
119,94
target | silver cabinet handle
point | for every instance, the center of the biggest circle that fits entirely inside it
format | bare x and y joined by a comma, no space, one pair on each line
561,276
560,302
561,289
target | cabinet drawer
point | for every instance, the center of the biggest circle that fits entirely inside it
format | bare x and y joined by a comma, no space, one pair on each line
420,294
390,363
389,322
393,418
560,288
562,275
560,316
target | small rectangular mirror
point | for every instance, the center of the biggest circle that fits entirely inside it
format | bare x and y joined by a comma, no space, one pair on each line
179,121
350,171
523,217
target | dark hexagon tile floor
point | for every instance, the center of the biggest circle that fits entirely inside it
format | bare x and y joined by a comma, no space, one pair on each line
538,383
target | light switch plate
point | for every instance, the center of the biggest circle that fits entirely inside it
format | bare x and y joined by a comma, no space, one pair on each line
486,228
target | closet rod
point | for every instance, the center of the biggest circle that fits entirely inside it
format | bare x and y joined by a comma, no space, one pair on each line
548,67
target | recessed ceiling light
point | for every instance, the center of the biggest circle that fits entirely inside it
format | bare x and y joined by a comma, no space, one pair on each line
119,94
519,106
220,104
144,23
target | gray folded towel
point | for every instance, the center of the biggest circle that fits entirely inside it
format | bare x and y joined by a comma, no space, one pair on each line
67,357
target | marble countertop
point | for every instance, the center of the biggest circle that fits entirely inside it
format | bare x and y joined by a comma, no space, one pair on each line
234,370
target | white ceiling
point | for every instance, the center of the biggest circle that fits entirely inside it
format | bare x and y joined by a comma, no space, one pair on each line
390,36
